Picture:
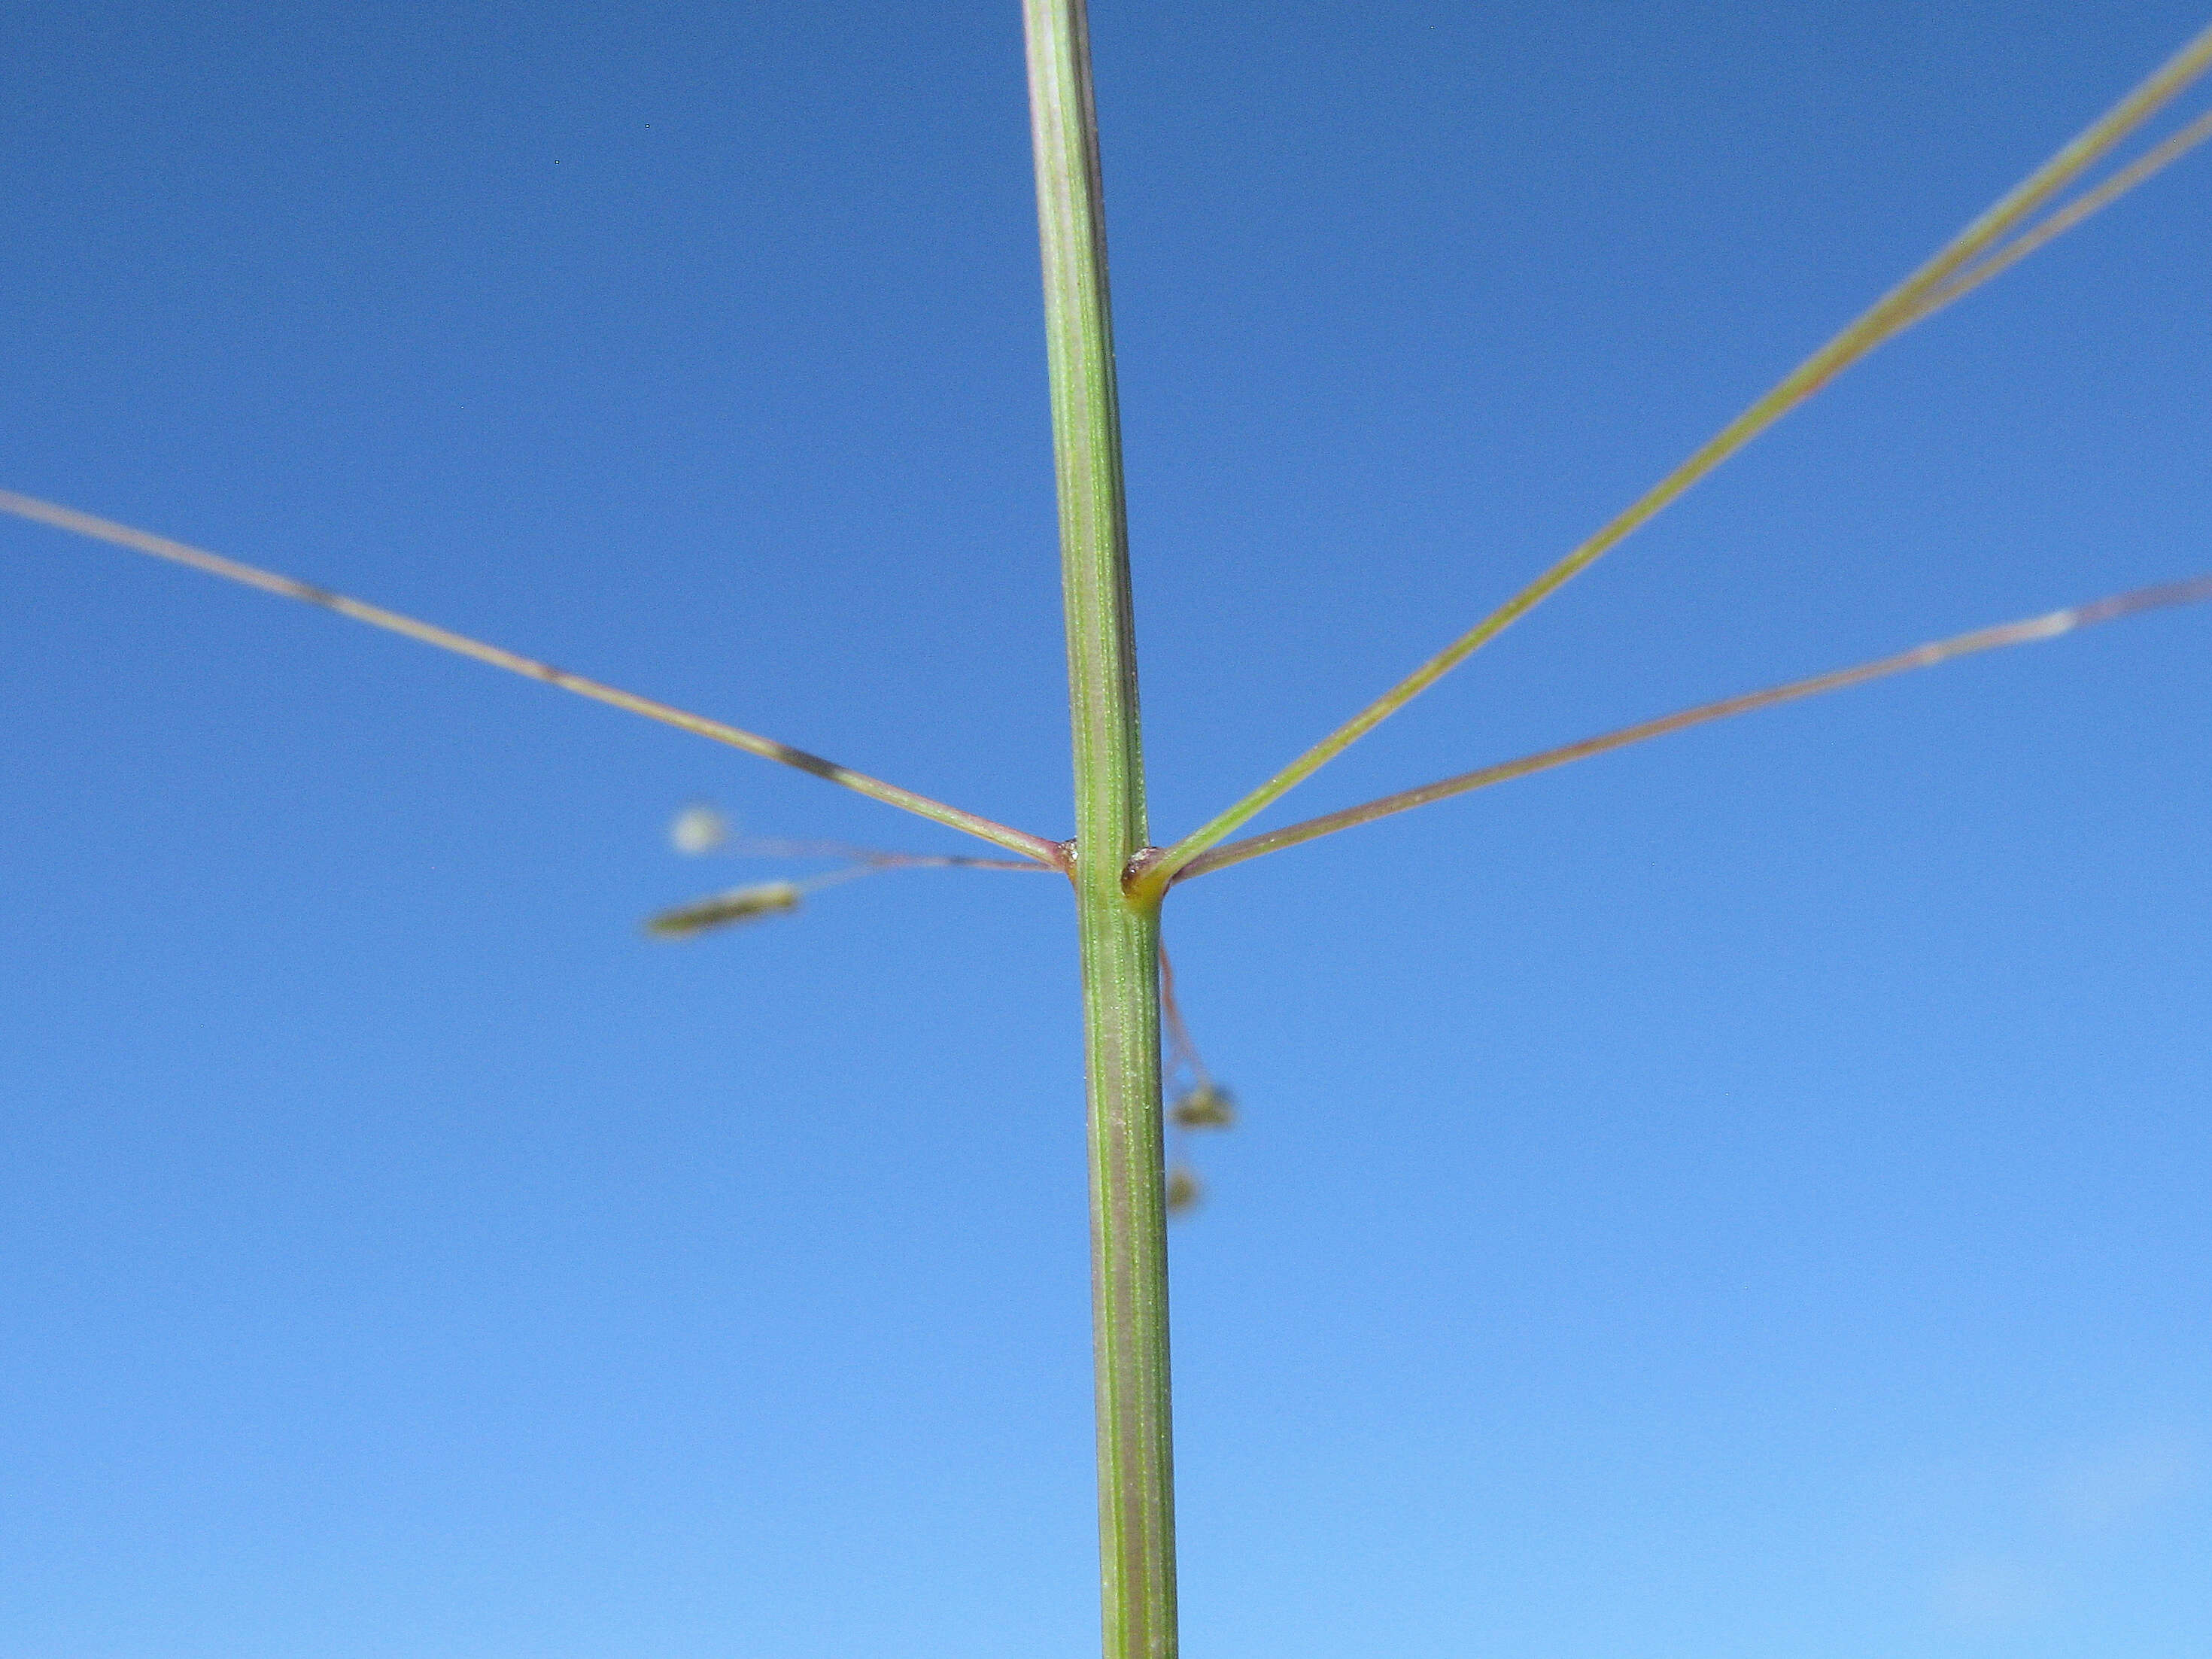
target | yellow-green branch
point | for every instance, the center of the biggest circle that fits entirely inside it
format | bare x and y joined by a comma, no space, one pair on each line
1943,278
1036,847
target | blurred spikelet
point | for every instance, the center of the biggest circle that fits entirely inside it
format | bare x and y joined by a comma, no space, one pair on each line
1205,1106
1184,1191
699,829
765,898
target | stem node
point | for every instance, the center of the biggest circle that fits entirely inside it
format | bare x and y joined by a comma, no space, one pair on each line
1119,934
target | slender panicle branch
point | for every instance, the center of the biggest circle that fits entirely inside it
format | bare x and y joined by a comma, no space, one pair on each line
1036,847
1943,278
1182,1053
2025,632
874,858
2048,230
1199,1104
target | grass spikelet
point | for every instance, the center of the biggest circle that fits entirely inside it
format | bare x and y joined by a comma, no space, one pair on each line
698,829
1205,1106
765,898
1184,1190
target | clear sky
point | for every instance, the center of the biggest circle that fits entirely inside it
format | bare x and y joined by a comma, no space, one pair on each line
1743,1196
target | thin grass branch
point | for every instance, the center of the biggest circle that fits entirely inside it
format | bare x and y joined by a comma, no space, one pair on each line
1199,1104
2025,632
875,858
1044,853
699,829
1950,273
2050,229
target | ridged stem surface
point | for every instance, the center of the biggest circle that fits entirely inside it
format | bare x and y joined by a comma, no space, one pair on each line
1119,936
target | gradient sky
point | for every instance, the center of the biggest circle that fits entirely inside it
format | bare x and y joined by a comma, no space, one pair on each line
1743,1196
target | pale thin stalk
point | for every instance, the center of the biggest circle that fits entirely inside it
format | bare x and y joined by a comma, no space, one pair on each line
1896,310
1045,853
1119,937
2045,231
1182,1053
2025,632
879,858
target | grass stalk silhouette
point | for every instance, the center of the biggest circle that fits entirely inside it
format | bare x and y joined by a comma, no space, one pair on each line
1134,1035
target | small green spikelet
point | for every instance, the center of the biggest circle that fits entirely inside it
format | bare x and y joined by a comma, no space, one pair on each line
1183,1190
724,909
1208,1106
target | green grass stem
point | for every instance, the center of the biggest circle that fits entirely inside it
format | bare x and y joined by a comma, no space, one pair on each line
1118,936
1118,878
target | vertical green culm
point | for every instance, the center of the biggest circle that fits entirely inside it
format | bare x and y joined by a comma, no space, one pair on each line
1119,937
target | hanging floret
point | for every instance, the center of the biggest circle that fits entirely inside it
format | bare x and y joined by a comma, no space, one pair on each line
1204,1105
765,898
1199,1103
1184,1190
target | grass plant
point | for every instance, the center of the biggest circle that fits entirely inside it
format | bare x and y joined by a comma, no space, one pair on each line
1119,877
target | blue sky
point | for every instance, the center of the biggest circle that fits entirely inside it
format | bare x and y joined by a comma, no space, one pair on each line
1740,1196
